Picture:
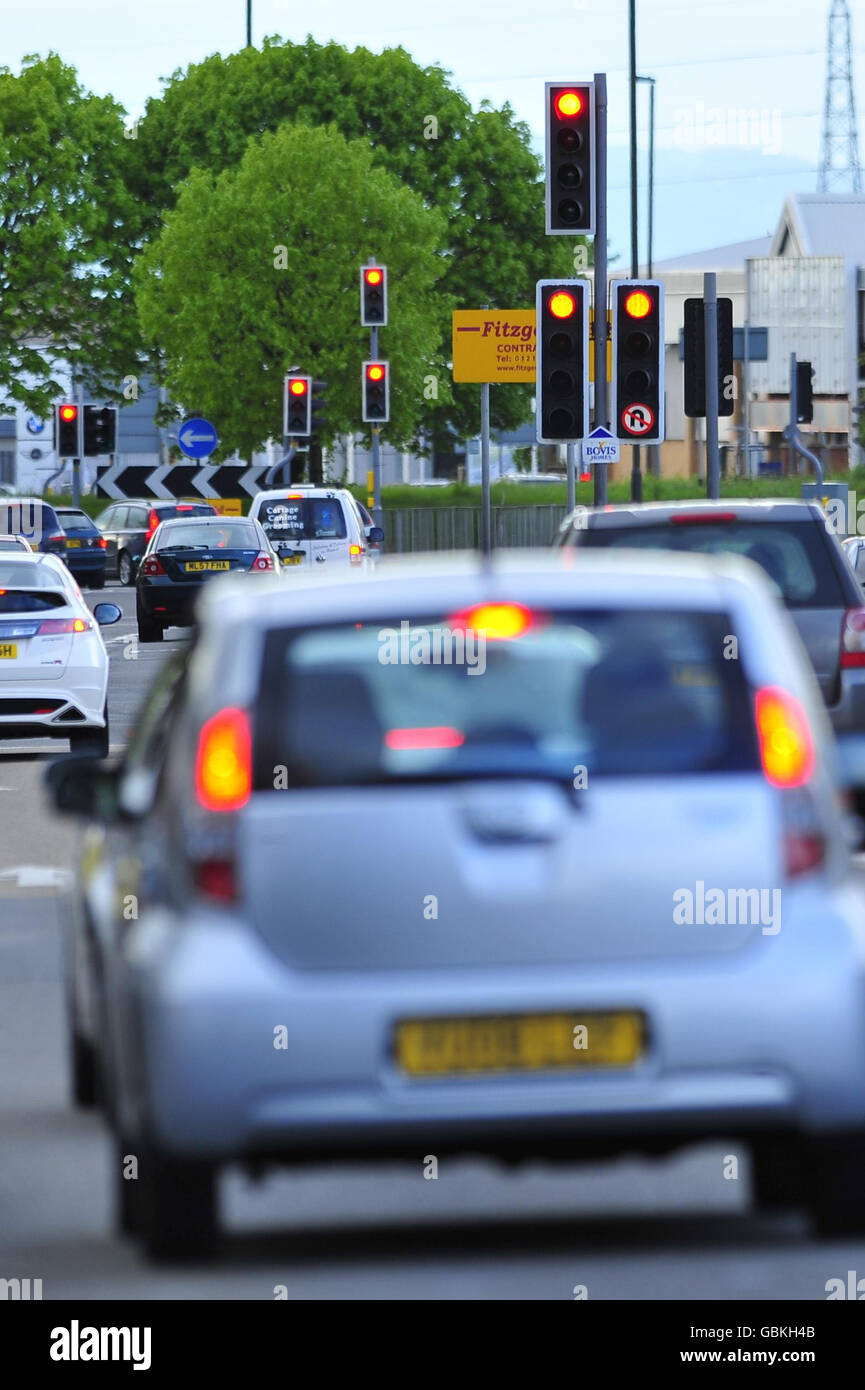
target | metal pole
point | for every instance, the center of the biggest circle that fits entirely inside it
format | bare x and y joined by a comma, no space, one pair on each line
572,476
601,397
713,471
654,455
377,514
636,475
76,462
249,23
486,510
746,373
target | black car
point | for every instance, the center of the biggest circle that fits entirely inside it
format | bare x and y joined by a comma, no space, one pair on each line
183,555
36,521
128,527
85,547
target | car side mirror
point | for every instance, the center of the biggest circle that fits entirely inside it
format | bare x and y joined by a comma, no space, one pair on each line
375,535
107,613
84,786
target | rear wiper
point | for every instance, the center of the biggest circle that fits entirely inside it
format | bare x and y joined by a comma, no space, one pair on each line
202,546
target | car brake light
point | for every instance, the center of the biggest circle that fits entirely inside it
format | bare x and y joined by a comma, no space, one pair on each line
786,747
853,638
102,543
355,554
152,565
497,621
51,627
223,765
263,562
152,522
56,536
438,736
694,518
216,879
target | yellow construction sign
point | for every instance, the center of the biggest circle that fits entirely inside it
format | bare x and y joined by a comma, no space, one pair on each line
499,345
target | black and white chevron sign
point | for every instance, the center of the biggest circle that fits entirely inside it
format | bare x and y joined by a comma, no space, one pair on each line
119,480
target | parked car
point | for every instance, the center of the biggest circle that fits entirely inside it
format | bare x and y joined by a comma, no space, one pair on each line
85,546
393,905
793,544
53,662
36,521
183,554
128,526
311,527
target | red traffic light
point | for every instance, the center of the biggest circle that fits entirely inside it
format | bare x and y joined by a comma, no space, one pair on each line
638,304
375,371
373,276
69,412
562,305
568,105
298,387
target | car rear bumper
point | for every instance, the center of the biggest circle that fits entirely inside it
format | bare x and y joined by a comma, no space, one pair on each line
168,602
228,1053
68,705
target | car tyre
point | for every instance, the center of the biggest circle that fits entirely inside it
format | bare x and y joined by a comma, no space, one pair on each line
125,568
98,583
148,630
84,1069
837,1192
174,1210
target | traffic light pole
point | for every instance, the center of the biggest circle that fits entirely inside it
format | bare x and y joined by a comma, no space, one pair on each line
76,462
710,299
377,514
636,475
601,403
792,431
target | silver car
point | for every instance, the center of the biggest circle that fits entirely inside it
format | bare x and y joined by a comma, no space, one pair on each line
541,857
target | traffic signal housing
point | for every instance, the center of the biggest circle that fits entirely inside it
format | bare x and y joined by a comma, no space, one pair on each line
804,393
375,385
66,430
562,360
298,406
318,419
100,430
373,296
694,345
570,162
638,360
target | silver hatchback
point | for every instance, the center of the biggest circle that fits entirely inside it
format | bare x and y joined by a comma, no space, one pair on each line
541,857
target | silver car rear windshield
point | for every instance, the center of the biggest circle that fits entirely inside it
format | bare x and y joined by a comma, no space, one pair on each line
615,693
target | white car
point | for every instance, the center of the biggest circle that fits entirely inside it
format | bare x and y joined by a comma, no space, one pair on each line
16,543
313,527
53,662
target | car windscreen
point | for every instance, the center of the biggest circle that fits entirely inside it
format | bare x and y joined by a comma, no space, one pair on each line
303,519
232,535
76,521
795,555
18,575
618,693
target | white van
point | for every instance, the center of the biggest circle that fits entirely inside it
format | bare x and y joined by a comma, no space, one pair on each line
315,526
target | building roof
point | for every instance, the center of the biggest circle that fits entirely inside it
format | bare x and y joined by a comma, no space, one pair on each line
732,257
821,224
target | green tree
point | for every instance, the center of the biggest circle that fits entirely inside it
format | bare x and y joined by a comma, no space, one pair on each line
256,270
67,223
476,167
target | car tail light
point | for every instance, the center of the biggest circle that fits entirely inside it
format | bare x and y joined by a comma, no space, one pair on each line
52,627
102,543
152,565
263,562
694,518
152,522
853,638
355,554
497,621
786,746
804,841
223,765
55,537
216,879
437,736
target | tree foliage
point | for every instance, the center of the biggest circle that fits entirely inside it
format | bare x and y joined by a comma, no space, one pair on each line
476,167
256,270
67,224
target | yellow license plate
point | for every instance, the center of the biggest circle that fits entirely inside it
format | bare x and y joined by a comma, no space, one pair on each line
8,650
292,559
519,1042
198,565
73,545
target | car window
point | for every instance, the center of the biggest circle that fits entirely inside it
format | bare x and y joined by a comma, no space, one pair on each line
794,555
106,518
118,520
75,521
362,703
169,513
303,518
230,535
142,762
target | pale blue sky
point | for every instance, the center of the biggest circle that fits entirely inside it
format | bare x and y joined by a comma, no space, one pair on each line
721,176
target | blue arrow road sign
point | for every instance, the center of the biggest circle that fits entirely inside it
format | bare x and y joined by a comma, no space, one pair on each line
197,438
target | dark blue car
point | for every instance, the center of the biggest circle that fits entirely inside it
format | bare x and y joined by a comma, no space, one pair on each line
86,547
36,521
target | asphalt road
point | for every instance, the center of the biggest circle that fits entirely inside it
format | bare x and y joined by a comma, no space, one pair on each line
670,1229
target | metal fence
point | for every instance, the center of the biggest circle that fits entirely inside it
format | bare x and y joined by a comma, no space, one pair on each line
458,528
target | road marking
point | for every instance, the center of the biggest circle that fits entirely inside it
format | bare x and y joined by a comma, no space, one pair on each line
37,876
